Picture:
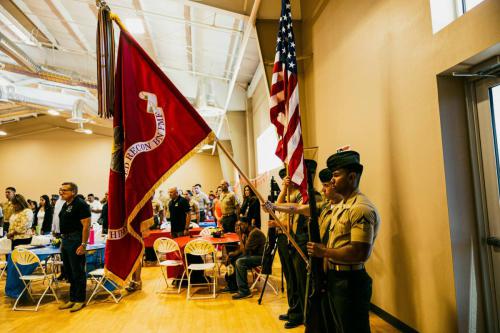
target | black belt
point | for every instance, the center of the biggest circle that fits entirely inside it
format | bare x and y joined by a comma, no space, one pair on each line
71,234
341,267
227,215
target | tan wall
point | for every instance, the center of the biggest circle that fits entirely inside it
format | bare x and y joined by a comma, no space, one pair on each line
37,164
371,83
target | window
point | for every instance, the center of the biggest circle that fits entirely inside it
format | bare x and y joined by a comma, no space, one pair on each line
495,119
266,146
444,12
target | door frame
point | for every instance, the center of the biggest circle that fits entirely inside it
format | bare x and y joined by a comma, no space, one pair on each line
491,308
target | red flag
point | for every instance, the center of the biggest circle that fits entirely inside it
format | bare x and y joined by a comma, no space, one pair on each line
155,130
285,111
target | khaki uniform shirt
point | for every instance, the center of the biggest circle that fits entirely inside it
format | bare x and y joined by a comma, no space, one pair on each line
8,210
324,219
228,203
353,220
202,200
194,209
297,223
164,201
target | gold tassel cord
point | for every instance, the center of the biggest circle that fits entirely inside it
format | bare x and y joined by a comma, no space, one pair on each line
105,61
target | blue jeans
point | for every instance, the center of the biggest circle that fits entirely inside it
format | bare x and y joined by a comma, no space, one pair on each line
243,264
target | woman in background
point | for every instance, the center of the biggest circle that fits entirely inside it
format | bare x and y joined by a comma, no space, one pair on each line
42,222
20,222
250,207
217,208
32,205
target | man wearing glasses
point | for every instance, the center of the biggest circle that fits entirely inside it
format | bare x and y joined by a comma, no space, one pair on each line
74,220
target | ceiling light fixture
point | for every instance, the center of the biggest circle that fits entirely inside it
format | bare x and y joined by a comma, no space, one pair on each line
134,25
53,112
83,130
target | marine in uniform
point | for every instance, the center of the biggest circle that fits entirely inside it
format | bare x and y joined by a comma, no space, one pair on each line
229,207
294,267
352,232
330,199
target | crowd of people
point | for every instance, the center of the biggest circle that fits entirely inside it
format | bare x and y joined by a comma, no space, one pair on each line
220,206
21,218
348,224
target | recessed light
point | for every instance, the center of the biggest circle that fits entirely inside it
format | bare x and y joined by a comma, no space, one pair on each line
134,25
3,133
53,112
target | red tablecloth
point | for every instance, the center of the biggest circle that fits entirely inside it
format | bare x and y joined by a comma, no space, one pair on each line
182,241
155,234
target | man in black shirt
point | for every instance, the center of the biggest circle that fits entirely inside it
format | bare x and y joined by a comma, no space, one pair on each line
179,213
75,225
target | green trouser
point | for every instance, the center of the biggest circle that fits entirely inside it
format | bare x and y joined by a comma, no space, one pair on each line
349,293
300,271
295,313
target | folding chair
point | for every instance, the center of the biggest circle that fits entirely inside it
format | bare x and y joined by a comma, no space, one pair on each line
261,277
207,232
202,248
23,257
162,247
100,279
3,267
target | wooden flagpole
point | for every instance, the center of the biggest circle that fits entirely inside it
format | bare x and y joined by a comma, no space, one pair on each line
261,198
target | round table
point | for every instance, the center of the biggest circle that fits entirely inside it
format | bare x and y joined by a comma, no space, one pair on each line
229,238
14,285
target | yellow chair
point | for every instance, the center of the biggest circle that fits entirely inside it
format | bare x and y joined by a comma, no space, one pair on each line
23,257
3,267
207,232
162,247
204,249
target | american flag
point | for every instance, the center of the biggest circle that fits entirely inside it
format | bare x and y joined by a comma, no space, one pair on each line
285,112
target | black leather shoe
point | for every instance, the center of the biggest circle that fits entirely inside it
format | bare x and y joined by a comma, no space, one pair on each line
284,317
227,290
292,324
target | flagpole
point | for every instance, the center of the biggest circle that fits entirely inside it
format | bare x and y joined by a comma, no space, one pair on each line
261,198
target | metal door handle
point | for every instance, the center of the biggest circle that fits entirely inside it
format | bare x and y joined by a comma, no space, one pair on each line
493,241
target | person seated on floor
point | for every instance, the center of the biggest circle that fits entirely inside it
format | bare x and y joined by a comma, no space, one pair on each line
248,255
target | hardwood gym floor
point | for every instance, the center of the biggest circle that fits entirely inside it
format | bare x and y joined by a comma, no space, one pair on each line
149,311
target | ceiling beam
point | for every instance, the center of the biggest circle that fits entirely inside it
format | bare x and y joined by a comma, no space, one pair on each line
233,46
250,28
195,73
216,9
18,10
138,4
190,44
66,19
